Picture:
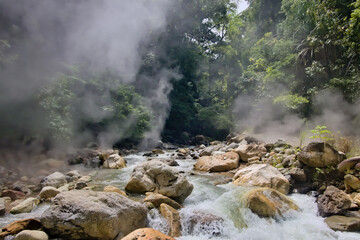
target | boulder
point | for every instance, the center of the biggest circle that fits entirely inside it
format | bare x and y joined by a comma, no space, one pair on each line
31,235
267,202
114,161
25,206
82,156
157,199
347,164
218,163
356,198
249,151
114,189
172,217
352,181
200,221
333,202
262,175
85,214
297,174
72,175
147,234
342,223
208,150
2,207
55,179
18,226
48,192
156,176
14,195
319,154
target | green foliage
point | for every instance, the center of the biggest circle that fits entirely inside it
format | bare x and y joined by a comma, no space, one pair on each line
292,101
322,133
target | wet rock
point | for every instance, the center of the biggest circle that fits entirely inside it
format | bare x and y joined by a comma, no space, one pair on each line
2,207
218,163
170,162
18,226
157,151
82,156
352,182
114,189
319,154
48,192
155,176
348,164
204,222
342,223
297,174
147,234
262,175
114,161
252,150
31,235
333,202
84,214
14,195
80,185
172,217
25,206
157,199
267,202
55,179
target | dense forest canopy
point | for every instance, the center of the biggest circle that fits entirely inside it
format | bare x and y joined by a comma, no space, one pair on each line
134,72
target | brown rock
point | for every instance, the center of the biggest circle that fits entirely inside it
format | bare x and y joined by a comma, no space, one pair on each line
267,202
251,150
114,161
147,234
114,189
352,181
319,154
298,174
14,195
17,226
218,163
347,164
173,219
157,199
333,202
342,223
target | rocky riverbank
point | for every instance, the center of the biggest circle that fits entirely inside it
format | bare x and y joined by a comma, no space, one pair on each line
78,207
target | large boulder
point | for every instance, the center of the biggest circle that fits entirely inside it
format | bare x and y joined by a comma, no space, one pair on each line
267,202
218,163
147,234
31,235
55,180
251,150
172,217
92,215
199,221
262,175
333,202
347,164
342,223
319,154
114,161
156,176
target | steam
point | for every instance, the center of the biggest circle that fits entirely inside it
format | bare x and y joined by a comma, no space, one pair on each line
105,35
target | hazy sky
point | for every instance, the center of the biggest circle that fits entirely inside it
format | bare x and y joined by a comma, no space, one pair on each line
242,5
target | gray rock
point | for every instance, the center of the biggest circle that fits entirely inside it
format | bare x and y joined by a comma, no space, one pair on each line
48,192
55,179
31,235
319,154
298,174
333,202
25,206
342,223
84,214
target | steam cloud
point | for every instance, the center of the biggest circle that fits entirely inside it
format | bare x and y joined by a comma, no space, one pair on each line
103,34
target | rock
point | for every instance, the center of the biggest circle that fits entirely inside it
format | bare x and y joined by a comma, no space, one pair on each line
114,161
252,150
147,234
31,235
93,162
267,202
356,198
333,202
80,185
352,181
298,174
208,150
170,162
72,176
262,175
2,207
114,189
204,222
25,206
342,223
155,176
241,137
157,151
157,199
18,226
347,164
82,156
22,187
172,217
49,192
64,188
55,179
319,154
81,214
218,163
14,195
85,179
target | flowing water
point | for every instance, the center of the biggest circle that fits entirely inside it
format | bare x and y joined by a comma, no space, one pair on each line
235,221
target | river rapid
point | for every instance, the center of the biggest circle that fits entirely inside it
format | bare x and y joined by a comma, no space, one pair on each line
223,201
